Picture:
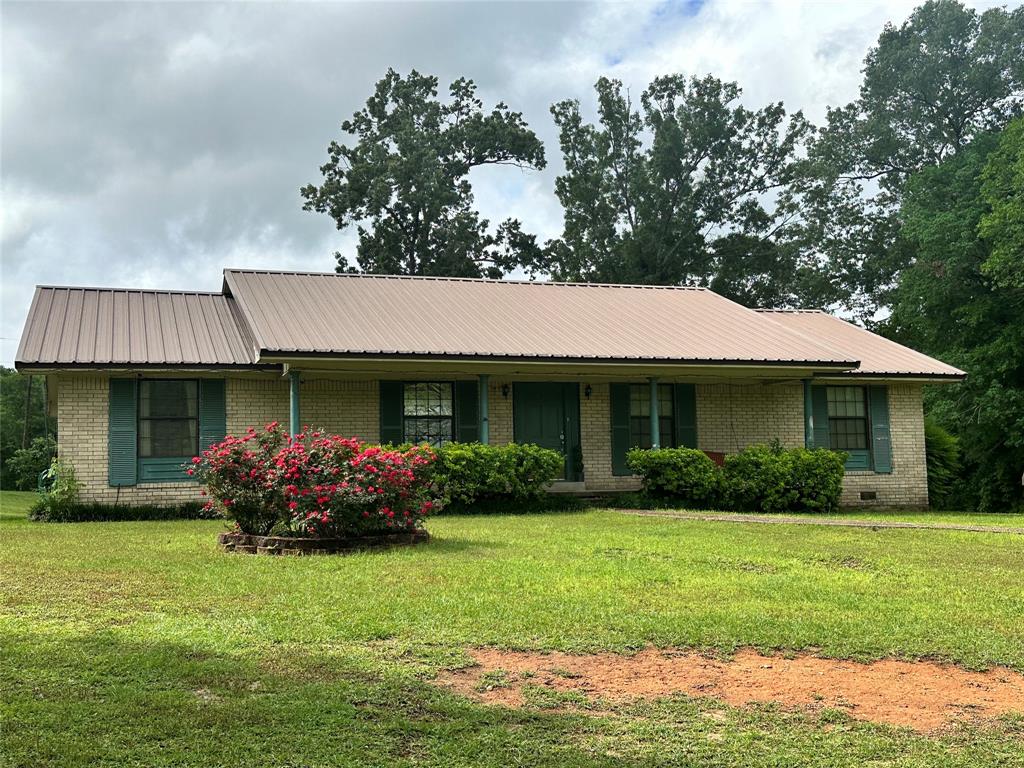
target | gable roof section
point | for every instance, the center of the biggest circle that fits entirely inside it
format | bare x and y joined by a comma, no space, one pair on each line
878,355
292,313
111,326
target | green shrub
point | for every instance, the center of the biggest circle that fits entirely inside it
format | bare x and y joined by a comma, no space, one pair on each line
685,474
761,478
96,512
62,496
942,455
768,478
23,468
477,477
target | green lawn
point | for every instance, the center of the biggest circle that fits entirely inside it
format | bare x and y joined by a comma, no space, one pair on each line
141,644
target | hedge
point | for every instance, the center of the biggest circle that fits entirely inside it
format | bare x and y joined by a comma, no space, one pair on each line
96,512
760,478
472,477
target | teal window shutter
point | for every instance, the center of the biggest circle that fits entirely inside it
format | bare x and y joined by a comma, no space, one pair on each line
212,412
686,415
122,433
392,399
619,398
881,441
819,412
467,412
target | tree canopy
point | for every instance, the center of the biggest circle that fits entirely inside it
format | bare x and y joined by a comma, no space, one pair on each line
931,86
677,190
404,183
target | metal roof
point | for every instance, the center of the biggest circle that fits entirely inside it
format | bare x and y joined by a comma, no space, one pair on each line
878,355
293,313
280,315
112,326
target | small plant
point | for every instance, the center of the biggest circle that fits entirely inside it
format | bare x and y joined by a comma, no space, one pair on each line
768,478
59,501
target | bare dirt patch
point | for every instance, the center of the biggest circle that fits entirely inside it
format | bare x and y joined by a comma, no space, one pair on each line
921,695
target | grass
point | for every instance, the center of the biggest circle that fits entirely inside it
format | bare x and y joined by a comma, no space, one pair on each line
141,644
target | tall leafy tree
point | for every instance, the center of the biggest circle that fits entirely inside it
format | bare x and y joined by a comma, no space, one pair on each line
951,303
677,190
931,86
16,391
404,180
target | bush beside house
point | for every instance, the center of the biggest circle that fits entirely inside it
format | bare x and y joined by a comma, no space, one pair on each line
472,477
760,478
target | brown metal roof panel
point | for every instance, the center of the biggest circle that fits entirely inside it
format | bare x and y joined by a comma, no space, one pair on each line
878,355
103,351
97,326
365,314
30,346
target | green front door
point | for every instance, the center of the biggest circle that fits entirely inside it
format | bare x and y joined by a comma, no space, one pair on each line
548,415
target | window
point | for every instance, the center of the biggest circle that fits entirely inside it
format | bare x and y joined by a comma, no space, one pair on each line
640,415
168,418
847,419
428,413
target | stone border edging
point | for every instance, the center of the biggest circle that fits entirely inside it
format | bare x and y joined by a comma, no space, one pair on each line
783,519
249,544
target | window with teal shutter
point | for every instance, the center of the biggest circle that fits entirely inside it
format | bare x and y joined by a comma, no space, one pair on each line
853,419
177,419
122,433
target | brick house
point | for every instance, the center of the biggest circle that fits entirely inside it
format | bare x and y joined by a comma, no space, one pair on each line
139,380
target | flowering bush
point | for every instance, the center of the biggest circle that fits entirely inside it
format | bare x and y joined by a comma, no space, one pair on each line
315,485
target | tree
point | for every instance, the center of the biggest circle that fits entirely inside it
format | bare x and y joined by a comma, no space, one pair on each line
405,185
931,87
1003,189
677,191
15,433
948,304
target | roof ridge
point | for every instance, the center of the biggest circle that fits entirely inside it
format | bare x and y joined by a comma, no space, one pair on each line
769,310
182,292
441,278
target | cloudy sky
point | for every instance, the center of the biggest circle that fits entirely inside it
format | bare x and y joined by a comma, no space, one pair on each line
152,145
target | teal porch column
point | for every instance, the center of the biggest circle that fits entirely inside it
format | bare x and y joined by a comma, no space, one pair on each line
294,425
655,419
485,420
808,416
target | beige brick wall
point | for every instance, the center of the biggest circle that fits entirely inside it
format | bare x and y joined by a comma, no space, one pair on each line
349,408
729,417
83,403
907,484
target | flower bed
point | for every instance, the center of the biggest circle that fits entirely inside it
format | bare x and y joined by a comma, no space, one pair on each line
315,486
245,543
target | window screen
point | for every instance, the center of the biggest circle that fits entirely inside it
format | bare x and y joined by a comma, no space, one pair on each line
847,418
640,415
168,418
428,413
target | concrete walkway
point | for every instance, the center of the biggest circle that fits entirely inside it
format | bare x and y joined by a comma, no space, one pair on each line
838,522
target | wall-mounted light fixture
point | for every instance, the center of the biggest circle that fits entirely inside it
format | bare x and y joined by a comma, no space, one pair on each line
588,391
504,391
